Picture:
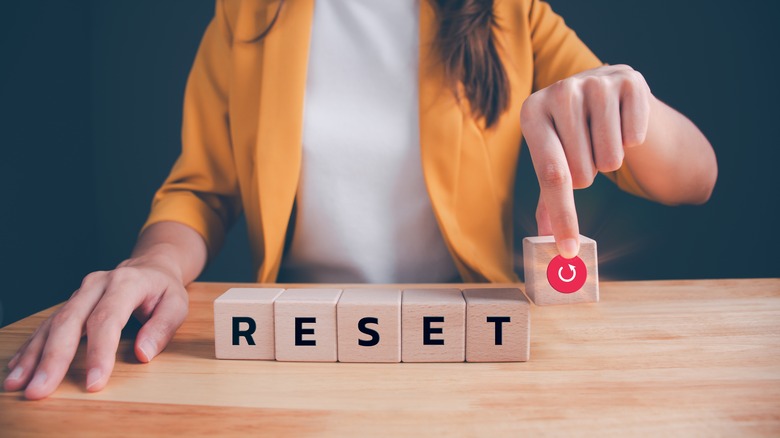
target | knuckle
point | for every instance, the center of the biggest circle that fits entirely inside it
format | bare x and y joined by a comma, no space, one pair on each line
560,87
163,329
596,87
583,179
562,94
125,274
636,76
183,300
553,175
565,222
530,108
62,318
610,163
92,278
99,319
182,308
540,215
635,82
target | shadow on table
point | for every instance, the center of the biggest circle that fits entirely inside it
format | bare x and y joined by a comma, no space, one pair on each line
197,348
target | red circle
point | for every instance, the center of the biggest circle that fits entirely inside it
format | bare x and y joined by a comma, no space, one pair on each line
567,275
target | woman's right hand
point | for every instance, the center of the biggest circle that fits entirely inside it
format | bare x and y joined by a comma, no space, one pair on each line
150,287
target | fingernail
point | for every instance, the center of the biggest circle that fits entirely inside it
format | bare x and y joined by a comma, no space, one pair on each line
93,376
569,248
15,374
39,380
148,349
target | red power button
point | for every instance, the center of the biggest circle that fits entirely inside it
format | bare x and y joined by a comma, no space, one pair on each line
566,275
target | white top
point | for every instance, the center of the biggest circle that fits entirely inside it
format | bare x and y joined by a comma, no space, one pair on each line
363,213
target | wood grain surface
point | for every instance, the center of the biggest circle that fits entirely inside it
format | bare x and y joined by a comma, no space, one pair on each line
691,358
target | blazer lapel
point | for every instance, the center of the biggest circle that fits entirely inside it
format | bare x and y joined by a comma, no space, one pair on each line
441,128
279,129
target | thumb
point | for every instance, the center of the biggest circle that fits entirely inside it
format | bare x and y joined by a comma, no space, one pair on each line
543,219
166,318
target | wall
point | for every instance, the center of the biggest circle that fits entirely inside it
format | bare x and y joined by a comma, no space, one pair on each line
47,213
142,52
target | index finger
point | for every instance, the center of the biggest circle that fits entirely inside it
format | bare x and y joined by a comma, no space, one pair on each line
555,182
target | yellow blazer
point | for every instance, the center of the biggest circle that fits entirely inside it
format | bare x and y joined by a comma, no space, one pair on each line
242,128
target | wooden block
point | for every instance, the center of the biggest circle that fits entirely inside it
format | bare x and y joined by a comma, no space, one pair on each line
306,325
551,279
433,325
244,324
369,325
498,325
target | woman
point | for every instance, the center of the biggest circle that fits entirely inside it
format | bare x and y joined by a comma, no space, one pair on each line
360,150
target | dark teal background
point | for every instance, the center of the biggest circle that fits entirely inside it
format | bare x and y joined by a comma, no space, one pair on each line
90,112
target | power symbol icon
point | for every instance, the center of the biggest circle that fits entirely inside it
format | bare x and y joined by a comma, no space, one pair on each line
566,275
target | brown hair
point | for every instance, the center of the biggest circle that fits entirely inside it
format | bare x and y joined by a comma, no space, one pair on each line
468,50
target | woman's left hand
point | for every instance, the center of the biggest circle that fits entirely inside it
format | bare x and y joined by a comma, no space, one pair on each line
576,128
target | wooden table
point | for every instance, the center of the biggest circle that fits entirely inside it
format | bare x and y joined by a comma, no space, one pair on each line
682,357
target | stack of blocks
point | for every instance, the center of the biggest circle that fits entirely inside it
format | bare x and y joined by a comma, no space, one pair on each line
413,325
373,325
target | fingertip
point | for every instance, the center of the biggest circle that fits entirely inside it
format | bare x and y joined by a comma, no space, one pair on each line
145,351
14,381
95,380
34,394
569,248
38,387
98,374
10,386
141,355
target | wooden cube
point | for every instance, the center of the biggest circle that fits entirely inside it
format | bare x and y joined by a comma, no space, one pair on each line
306,325
433,325
551,279
244,324
498,325
369,325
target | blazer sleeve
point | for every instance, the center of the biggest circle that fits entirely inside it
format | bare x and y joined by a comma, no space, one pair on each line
202,188
559,53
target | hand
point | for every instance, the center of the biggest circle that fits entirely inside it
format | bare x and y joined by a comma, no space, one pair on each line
100,308
576,127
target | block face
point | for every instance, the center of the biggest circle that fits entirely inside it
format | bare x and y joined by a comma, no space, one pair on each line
538,252
305,322
498,324
243,316
369,325
433,325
